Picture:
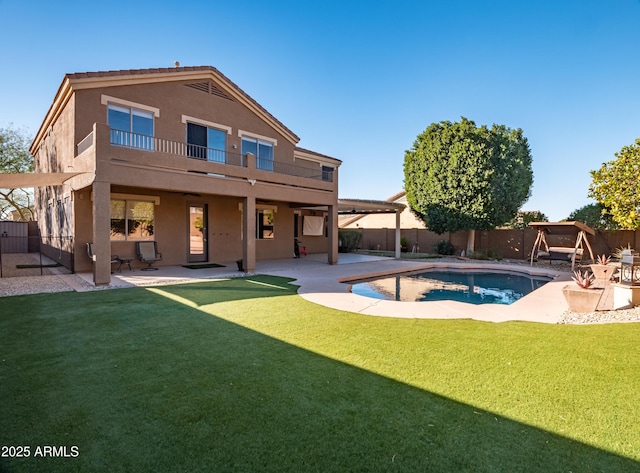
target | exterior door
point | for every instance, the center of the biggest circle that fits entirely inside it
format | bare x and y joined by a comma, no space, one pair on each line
197,233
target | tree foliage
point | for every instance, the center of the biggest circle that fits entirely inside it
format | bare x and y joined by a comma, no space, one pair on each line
524,217
15,158
616,186
594,215
462,177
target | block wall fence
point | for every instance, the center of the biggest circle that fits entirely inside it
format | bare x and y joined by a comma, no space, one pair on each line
511,244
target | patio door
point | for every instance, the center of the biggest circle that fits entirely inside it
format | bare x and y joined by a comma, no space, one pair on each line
197,233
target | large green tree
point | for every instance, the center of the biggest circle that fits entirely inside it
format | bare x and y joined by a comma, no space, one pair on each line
616,186
459,176
15,158
524,217
594,215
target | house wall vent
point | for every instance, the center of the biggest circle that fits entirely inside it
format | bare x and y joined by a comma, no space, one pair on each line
209,88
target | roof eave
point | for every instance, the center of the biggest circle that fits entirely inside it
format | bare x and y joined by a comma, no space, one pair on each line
83,81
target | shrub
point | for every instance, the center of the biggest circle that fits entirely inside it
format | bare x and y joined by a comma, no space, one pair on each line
494,253
583,280
444,247
348,240
479,254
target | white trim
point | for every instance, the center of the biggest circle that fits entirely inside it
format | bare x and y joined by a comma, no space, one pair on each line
248,134
107,99
198,121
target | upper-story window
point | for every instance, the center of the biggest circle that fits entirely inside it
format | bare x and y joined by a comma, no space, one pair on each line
261,148
131,124
131,127
327,173
206,143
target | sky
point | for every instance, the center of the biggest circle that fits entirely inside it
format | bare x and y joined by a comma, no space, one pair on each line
360,80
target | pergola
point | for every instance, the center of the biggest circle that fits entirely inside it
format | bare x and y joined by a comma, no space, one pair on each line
362,207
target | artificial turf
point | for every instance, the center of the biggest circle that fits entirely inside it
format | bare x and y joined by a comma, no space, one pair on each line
245,375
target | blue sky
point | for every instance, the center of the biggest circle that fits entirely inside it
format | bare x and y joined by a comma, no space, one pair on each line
359,80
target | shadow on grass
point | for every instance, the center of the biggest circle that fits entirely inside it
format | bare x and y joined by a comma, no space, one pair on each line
141,383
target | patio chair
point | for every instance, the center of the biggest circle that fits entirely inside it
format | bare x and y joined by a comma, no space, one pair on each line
147,252
114,258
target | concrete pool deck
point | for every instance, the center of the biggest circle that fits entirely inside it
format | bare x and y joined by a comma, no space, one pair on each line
320,283
323,286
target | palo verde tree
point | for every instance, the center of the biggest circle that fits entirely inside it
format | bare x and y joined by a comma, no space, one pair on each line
459,176
15,158
616,186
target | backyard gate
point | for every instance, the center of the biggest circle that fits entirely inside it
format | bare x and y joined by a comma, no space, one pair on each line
14,237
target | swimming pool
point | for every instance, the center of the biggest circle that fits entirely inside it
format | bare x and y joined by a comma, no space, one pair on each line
470,286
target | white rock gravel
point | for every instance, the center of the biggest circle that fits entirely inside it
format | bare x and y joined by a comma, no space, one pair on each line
14,286
602,316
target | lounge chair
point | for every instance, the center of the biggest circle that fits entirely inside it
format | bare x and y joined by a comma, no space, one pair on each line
147,252
114,258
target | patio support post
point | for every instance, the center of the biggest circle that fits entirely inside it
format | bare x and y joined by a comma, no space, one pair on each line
332,233
101,231
249,234
398,233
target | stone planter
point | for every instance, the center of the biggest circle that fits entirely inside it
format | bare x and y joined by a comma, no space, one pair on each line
582,300
602,272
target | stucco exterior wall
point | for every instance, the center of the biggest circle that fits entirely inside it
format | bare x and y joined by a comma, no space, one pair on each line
174,100
168,174
224,231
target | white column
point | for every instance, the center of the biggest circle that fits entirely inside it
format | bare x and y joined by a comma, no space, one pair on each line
398,234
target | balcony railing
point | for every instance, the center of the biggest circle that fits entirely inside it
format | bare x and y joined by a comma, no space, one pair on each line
151,144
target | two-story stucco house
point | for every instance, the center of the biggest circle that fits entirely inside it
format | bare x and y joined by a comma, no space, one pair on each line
183,157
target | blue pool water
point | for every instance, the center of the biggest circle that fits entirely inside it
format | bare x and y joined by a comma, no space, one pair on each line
474,287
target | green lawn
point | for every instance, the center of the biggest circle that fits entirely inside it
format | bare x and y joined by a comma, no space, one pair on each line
244,375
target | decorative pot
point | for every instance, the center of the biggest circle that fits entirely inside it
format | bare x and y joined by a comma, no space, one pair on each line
582,300
602,271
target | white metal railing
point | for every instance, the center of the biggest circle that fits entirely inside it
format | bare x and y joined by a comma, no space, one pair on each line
150,143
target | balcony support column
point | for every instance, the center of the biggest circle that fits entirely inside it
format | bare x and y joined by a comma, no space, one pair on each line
101,231
332,234
249,234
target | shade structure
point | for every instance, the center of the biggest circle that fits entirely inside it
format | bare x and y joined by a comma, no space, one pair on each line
41,179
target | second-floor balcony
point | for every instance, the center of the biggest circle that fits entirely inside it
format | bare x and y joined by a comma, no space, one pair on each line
150,145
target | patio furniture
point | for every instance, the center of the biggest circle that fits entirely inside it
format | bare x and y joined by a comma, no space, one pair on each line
562,253
147,252
114,258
